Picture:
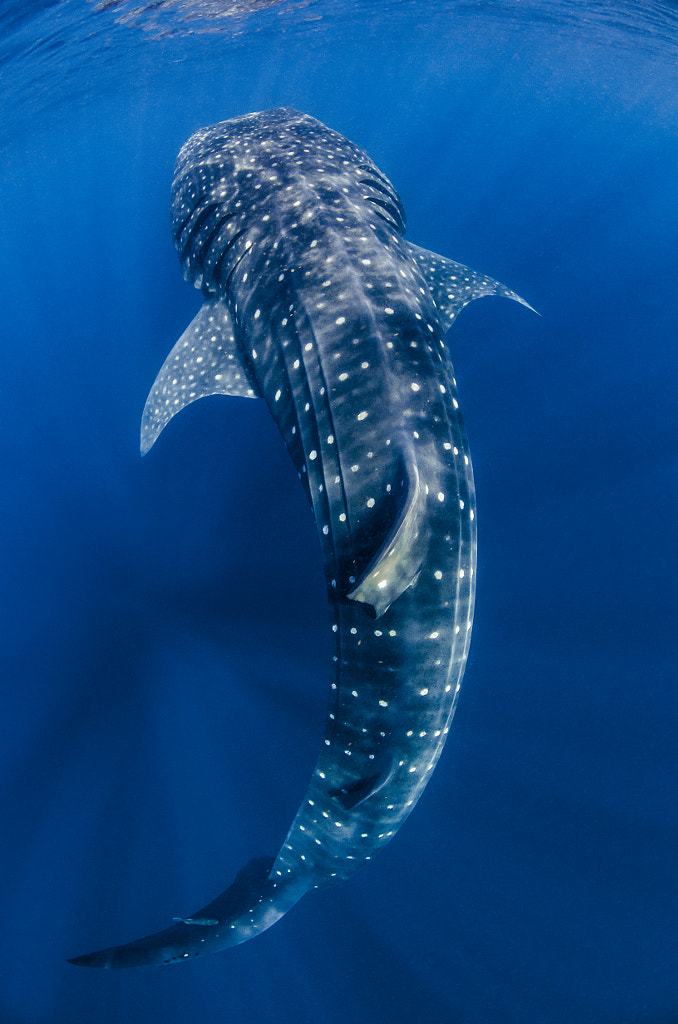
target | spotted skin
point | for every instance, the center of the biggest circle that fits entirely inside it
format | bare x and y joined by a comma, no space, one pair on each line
315,302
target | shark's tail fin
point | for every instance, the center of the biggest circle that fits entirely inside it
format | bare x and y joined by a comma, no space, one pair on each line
249,906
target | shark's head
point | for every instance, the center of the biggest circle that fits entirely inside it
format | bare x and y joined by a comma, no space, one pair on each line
241,184
220,173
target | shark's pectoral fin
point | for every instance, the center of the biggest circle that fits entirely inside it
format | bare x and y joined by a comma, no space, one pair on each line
397,563
205,361
453,285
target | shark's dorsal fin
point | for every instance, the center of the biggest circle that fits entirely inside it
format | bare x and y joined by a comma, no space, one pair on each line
356,791
397,563
205,361
453,285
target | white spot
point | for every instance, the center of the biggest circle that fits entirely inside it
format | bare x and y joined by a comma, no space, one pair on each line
340,320
434,635
382,584
383,703
343,376
388,310
277,395
361,415
370,503
313,454
441,496
257,314
424,691
461,574
415,387
438,575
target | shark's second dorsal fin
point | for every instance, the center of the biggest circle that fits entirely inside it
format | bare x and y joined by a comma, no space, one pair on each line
397,563
453,285
205,361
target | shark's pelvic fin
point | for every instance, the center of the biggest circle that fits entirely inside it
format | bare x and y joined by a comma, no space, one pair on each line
397,563
205,361
453,285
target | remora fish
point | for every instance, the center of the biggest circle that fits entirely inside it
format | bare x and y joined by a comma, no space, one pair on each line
316,303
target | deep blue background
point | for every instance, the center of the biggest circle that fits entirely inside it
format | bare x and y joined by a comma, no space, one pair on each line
164,654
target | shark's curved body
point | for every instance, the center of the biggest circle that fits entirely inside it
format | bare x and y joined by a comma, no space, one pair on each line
316,303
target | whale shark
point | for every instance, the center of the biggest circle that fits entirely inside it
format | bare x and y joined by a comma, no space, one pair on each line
314,302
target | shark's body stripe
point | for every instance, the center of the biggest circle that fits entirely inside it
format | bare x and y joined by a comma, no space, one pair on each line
315,302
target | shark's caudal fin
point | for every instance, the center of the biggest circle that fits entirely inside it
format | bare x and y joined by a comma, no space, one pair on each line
205,361
453,285
249,906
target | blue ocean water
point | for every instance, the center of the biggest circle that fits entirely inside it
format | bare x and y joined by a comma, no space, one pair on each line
163,687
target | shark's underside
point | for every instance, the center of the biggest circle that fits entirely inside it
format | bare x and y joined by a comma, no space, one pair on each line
316,303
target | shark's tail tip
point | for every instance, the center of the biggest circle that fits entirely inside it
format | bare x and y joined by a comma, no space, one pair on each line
517,298
89,960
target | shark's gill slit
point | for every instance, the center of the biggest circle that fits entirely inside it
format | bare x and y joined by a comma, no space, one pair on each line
339,330
190,212
218,266
213,240
392,200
